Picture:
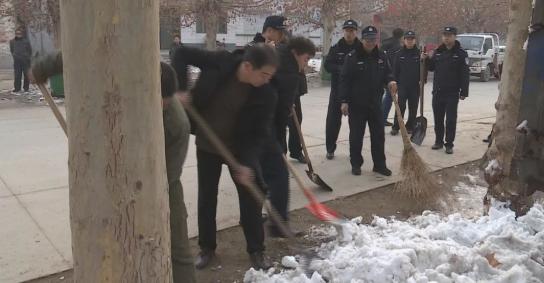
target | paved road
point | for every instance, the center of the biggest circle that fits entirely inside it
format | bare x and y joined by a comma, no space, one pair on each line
34,177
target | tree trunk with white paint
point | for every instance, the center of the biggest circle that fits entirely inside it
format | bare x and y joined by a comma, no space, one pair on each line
328,20
211,25
500,154
118,188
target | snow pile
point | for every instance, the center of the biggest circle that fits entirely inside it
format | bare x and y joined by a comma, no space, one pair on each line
429,248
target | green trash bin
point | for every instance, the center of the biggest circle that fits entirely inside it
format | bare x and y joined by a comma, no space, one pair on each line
325,76
56,83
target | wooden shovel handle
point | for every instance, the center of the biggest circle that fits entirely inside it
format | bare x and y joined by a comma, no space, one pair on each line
54,108
422,77
299,181
301,136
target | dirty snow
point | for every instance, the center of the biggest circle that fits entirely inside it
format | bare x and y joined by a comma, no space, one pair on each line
428,248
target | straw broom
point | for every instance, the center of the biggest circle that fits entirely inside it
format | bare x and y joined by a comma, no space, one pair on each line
417,183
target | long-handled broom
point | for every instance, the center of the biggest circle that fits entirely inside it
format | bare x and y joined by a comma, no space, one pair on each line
416,182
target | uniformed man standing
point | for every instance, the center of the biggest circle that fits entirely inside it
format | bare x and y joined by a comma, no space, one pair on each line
406,72
451,79
364,75
333,64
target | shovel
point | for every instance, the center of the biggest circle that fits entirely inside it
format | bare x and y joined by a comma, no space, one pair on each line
319,210
420,127
310,172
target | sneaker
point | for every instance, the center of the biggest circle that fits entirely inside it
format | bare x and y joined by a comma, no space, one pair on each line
330,155
437,146
356,171
449,149
388,124
383,171
394,132
259,261
16,92
300,158
204,258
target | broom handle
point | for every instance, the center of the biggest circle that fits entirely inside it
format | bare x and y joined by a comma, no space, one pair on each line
253,189
422,73
402,126
298,179
301,136
54,108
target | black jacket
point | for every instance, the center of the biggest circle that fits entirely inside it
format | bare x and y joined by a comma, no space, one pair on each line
173,48
286,81
451,71
406,69
391,46
256,117
364,77
335,61
20,49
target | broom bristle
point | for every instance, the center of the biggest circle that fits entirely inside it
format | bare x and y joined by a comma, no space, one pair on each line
417,183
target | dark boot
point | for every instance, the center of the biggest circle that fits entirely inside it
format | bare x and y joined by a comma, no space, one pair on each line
356,171
330,155
437,146
449,149
299,157
383,170
259,261
204,258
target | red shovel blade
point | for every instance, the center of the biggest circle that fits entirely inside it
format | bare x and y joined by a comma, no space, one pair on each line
323,213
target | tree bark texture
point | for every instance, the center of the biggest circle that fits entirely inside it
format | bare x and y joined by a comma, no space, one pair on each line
502,151
118,188
328,20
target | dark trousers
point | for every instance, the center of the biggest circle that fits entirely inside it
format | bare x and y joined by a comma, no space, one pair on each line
358,118
410,95
445,106
295,147
387,102
20,68
209,172
334,122
276,178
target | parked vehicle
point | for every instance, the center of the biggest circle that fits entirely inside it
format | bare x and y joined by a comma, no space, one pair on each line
484,54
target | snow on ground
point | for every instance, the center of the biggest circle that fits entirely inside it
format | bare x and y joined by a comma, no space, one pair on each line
427,248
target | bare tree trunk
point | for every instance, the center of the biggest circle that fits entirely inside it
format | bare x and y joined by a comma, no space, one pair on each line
499,170
211,26
328,20
118,189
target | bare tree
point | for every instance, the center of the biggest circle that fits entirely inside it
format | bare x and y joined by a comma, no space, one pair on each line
500,173
35,15
118,188
325,13
212,13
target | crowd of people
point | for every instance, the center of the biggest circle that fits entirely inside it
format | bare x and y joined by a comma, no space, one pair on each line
251,96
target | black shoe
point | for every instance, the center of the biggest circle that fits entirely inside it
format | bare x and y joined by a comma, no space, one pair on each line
330,155
394,132
388,124
259,261
300,158
437,146
449,149
204,258
356,171
384,171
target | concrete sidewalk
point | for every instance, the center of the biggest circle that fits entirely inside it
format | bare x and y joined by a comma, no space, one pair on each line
34,213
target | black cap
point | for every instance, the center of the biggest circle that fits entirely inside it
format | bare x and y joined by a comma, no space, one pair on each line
409,34
275,22
370,32
350,24
452,30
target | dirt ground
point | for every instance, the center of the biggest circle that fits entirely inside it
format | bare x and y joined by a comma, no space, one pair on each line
232,261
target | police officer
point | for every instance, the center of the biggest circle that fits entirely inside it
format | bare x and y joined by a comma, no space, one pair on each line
364,75
391,46
333,65
451,79
406,72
